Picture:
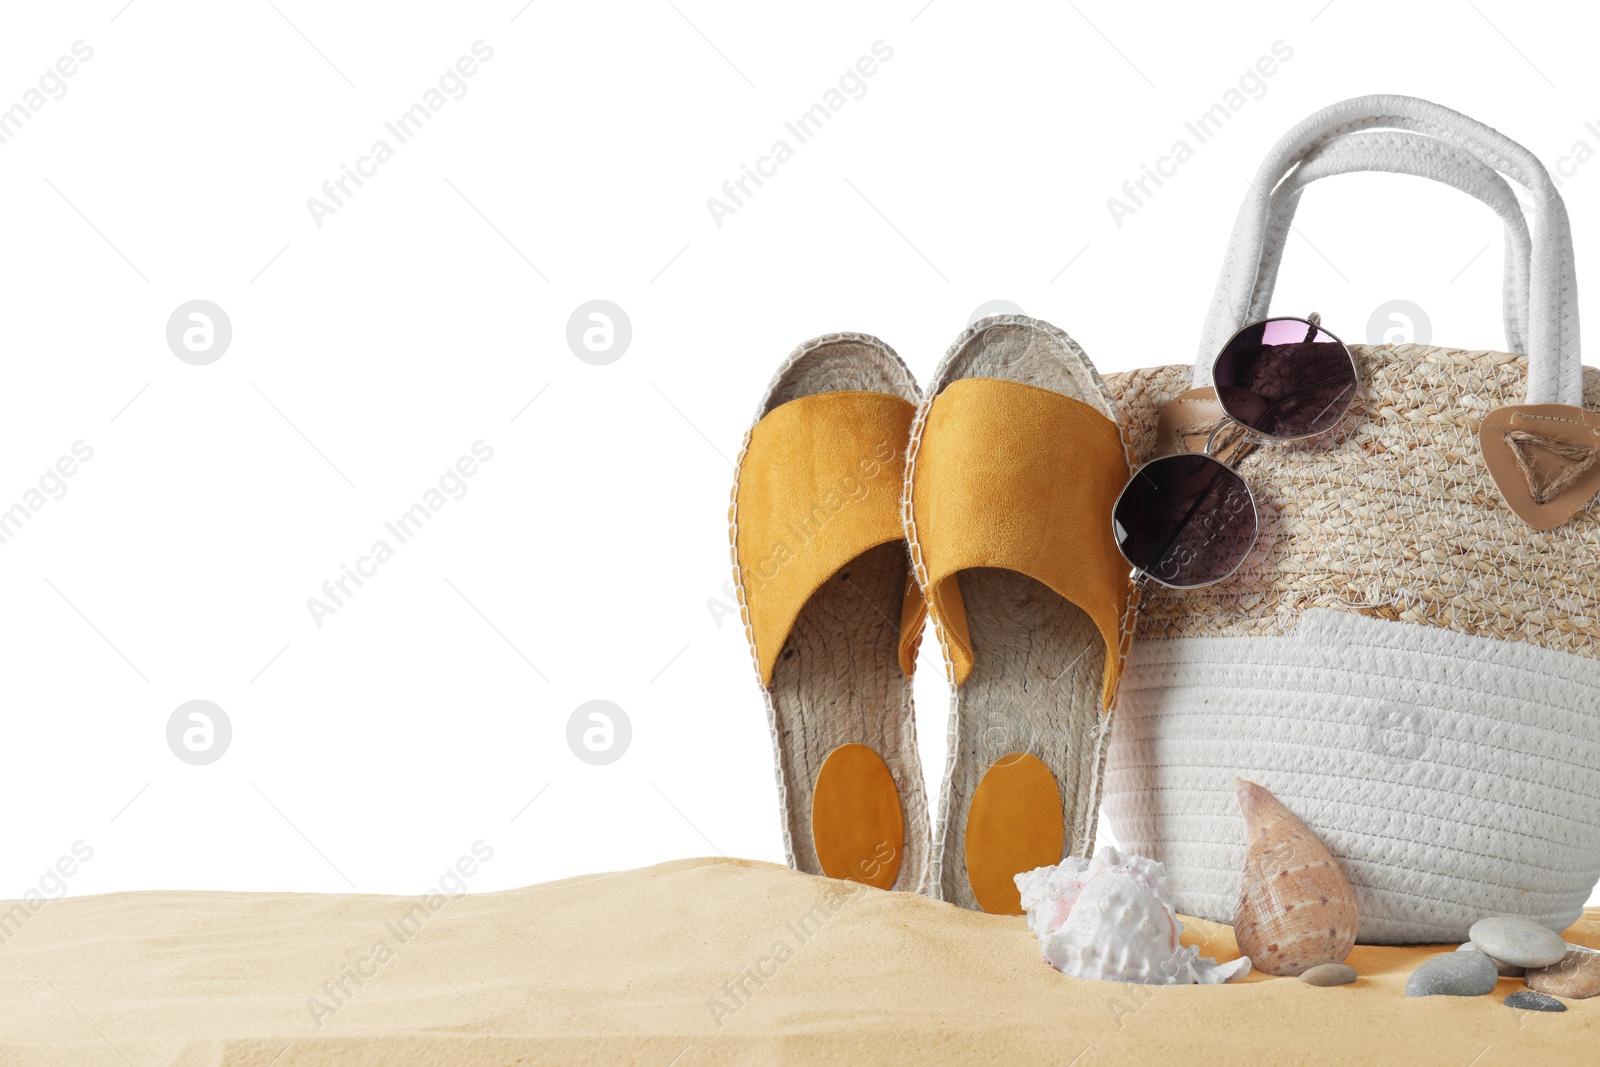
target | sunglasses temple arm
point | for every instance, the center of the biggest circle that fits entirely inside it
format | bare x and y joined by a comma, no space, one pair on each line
1130,626
1136,597
1232,453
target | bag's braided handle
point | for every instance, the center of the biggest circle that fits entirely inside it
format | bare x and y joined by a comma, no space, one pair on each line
1397,152
1548,320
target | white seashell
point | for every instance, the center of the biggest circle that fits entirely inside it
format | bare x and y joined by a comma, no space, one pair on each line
1112,918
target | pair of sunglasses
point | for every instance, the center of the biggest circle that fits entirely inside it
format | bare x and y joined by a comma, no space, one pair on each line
1189,520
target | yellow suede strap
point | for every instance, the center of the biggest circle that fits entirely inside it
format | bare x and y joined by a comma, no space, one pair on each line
818,485
1021,478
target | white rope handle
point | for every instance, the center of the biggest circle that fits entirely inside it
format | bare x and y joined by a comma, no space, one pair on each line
1555,364
1403,153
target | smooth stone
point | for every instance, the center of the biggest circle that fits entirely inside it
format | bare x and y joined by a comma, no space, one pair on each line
1454,974
1517,941
1507,970
1576,977
1329,974
1533,1001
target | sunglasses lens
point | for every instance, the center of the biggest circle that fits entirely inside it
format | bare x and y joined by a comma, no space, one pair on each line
1285,378
1185,520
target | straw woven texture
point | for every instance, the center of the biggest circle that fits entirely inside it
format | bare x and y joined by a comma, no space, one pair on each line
1394,516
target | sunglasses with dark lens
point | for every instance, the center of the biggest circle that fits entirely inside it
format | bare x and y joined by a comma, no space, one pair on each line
1189,520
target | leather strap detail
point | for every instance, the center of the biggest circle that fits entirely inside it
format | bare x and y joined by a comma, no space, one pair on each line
1022,478
1544,458
819,483
1189,420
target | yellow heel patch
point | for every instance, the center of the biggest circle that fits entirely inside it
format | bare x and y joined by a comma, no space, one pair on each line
856,820
1014,825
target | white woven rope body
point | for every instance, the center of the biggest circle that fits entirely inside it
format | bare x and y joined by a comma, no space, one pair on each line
1454,776
1409,667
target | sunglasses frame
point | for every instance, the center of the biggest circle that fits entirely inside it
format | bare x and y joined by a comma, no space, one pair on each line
1247,444
1143,575
1315,322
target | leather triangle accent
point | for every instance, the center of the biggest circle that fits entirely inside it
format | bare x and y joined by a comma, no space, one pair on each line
1545,459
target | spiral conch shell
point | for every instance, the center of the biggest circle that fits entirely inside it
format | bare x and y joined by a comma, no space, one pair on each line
1111,918
1296,908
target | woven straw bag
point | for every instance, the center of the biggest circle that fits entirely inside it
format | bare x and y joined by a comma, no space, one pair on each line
1407,664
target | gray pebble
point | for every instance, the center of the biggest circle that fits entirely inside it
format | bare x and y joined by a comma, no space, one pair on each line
1507,970
1517,941
1329,974
1532,1001
1455,974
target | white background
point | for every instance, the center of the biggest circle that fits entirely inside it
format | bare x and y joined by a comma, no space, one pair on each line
589,556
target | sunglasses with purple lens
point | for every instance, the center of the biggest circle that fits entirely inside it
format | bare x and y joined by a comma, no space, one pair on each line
1188,520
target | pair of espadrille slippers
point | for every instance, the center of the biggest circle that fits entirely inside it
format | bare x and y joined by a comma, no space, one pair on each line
861,505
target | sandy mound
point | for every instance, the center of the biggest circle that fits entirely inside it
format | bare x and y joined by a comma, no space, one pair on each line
695,962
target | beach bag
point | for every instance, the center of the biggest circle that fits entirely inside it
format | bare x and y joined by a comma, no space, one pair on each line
1411,667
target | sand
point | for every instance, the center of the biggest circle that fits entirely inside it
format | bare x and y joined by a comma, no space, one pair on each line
694,962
